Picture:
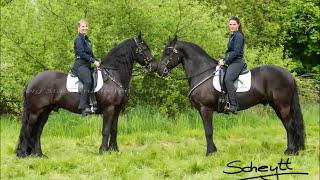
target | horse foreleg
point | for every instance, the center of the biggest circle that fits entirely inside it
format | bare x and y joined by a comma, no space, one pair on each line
113,145
108,113
206,115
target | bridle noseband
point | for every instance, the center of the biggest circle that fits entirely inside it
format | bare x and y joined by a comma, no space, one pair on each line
146,59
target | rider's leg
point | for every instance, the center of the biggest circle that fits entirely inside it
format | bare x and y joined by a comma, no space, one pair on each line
84,75
232,74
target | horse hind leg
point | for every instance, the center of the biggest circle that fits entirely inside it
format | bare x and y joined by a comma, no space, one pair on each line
25,146
23,149
284,113
37,131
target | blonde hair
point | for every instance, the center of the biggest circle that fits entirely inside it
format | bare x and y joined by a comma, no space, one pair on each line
83,21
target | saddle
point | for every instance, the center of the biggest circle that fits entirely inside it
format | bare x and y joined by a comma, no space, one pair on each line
242,84
75,85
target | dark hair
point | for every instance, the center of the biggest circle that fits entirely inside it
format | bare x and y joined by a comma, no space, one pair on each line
238,21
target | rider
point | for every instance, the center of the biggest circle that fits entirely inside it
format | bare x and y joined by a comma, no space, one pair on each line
233,60
82,67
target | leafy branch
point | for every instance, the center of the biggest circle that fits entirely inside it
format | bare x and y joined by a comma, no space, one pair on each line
36,60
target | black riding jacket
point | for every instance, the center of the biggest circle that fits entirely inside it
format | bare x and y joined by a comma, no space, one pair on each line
83,49
235,48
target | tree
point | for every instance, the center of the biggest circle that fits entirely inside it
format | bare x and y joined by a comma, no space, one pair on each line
301,36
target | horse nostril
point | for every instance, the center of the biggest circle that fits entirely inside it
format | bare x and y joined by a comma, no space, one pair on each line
165,71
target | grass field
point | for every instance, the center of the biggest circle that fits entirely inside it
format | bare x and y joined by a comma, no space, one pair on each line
155,147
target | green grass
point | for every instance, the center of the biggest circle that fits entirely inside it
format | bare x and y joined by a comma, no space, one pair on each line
155,147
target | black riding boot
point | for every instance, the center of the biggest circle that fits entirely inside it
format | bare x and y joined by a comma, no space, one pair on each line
233,103
83,105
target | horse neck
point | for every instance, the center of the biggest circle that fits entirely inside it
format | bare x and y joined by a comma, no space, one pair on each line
124,73
196,63
120,61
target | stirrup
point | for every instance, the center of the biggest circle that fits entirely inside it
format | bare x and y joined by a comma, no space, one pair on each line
228,110
86,111
227,106
93,109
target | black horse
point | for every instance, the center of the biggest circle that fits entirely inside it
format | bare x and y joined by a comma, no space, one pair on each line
270,85
47,92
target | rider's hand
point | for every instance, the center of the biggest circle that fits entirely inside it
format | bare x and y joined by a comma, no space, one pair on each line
97,63
221,63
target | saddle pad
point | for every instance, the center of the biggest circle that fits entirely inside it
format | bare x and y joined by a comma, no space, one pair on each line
242,84
73,82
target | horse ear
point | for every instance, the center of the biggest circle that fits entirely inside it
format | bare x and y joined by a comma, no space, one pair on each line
139,35
175,38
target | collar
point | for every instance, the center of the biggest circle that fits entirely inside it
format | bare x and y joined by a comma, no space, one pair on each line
83,35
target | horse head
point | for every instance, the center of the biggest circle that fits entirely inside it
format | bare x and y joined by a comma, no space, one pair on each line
144,55
171,57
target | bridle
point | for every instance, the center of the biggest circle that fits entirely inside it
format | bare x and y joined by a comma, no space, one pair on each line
166,71
139,50
175,51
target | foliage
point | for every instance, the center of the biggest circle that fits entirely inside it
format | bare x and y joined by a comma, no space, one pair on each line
37,35
301,35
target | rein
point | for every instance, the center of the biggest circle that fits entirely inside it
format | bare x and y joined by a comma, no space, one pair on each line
184,78
105,67
201,82
108,74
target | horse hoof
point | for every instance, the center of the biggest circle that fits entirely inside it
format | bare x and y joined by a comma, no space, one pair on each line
103,151
291,152
39,155
22,155
209,153
115,149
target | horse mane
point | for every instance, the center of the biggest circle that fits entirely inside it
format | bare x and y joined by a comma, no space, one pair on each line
120,60
199,50
120,54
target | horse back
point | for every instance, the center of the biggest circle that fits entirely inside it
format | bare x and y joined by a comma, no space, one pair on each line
45,80
272,83
272,76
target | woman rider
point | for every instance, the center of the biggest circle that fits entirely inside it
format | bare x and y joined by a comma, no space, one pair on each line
82,65
234,61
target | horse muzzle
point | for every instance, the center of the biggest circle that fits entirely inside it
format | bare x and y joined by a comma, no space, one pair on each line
162,70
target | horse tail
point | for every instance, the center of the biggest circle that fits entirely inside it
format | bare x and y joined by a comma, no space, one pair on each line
298,124
23,140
